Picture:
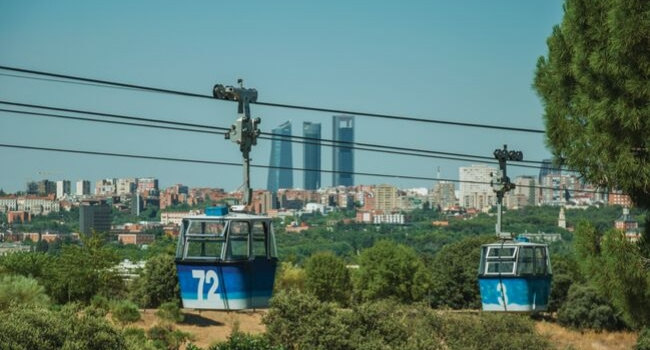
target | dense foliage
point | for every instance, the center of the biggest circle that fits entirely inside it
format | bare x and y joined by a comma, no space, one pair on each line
327,277
391,271
455,274
613,265
26,328
300,321
593,84
586,309
157,284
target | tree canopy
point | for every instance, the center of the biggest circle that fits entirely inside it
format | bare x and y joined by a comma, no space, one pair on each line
594,87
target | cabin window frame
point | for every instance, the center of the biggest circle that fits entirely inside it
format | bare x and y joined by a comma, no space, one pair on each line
500,261
201,236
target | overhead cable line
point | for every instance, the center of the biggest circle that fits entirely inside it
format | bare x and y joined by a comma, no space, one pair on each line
212,162
268,104
334,143
295,139
50,115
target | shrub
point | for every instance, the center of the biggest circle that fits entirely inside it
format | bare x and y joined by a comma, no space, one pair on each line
244,341
299,321
125,312
170,311
643,342
26,328
586,309
166,337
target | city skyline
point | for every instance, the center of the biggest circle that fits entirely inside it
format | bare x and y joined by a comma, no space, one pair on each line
429,62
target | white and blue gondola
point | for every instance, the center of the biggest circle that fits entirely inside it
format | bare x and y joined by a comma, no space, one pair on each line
515,276
226,260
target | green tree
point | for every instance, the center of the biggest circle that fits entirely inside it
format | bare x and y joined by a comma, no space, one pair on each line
81,272
26,264
389,270
158,282
586,309
21,290
289,277
614,267
26,328
454,270
327,277
593,85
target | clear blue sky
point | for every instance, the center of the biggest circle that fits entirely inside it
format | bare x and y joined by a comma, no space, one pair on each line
467,61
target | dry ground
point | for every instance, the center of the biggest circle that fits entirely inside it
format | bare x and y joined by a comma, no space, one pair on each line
563,338
208,327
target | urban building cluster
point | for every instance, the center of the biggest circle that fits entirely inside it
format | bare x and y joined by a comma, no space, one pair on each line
374,204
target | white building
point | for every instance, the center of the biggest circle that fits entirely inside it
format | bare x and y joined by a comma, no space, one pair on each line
38,205
63,188
105,187
176,217
82,188
475,189
125,186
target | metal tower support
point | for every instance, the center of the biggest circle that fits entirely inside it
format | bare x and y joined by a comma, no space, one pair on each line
245,130
501,182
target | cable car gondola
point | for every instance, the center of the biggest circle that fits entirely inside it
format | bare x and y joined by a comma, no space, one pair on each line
514,276
226,260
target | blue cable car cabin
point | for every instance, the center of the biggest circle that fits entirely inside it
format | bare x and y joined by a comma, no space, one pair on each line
515,276
226,261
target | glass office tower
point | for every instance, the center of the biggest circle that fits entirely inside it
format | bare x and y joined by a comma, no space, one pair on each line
281,162
311,155
343,154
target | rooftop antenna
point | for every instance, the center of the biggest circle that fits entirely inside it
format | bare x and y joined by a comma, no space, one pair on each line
245,130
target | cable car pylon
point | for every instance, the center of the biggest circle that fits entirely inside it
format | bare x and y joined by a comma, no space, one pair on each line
514,274
501,183
244,131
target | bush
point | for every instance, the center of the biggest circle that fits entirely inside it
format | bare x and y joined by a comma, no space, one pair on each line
492,331
643,342
125,312
26,328
166,337
171,312
244,341
299,321
586,309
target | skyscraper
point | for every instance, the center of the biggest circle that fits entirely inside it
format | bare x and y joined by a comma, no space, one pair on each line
311,155
343,156
280,172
